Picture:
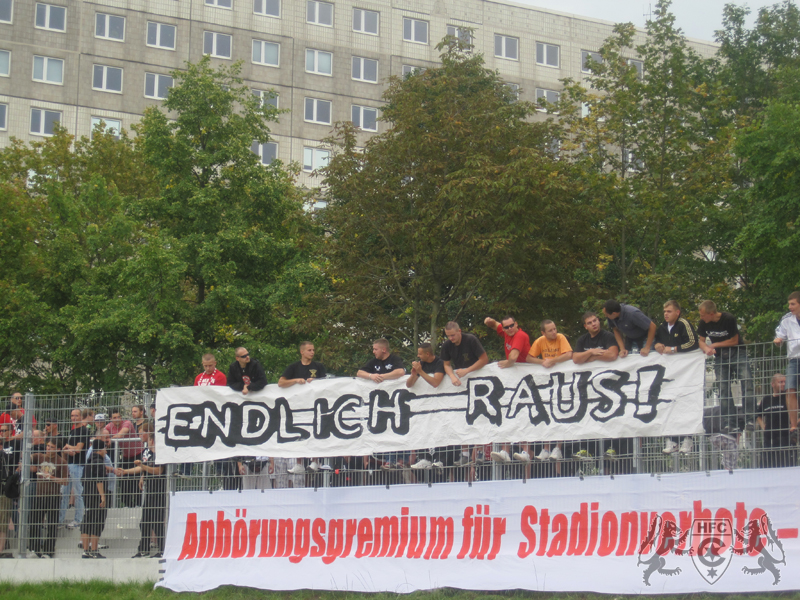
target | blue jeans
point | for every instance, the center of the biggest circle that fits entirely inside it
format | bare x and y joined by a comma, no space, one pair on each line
76,485
731,363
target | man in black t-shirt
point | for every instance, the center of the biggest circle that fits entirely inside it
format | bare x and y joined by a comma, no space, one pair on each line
384,366
462,353
730,362
596,343
773,418
74,452
429,367
97,500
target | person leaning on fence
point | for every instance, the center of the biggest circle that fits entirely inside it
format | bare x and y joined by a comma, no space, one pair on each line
51,473
210,375
674,336
638,329
773,418
153,482
130,447
730,361
788,330
246,374
96,498
74,452
429,368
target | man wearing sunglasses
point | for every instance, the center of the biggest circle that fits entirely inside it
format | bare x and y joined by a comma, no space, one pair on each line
516,342
246,374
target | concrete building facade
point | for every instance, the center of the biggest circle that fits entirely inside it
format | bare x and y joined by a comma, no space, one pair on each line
79,61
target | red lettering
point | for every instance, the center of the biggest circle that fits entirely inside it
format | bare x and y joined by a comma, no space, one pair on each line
579,531
401,547
528,518
335,541
189,548
544,525
386,536
222,541
466,542
205,544
560,535
629,533
239,548
593,529
608,534
741,518
441,538
498,529
364,545
318,536
416,542
350,534
285,537
302,540
269,531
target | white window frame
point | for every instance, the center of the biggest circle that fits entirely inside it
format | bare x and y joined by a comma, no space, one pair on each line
315,104
315,18
115,125
595,56
4,121
544,46
513,88
360,61
45,66
361,110
258,150
226,4
412,37
105,69
545,93
42,121
462,33
215,35
504,51
156,85
631,162
262,54
412,70
317,155
7,73
159,29
360,21
264,5
46,26
315,56
107,19
262,97
10,11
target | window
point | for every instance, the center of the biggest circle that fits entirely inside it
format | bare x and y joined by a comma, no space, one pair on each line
266,97
412,70
506,47
514,89
109,27
5,63
315,158
631,162
220,3
266,152
550,96
6,7
365,69
365,21
266,53
161,35
462,33
156,85
216,44
43,121
547,54
107,79
318,111
364,117
319,62
51,17
638,65
48,70
269,8
585,56
3,117
112,126
319,13
415,30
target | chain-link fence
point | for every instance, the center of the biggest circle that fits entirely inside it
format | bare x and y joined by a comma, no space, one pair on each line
94,490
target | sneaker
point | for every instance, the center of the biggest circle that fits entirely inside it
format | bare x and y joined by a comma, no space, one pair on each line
464,461
158,555
96,554
422,463
438,464
583,455
140,555
670,447
314,466
326,468
501,456
522,456
297,470
73,525
86,554
543,455
46,555
686,446
611,453
555,454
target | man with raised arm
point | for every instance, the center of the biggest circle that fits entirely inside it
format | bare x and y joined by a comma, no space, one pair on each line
515,341
639,329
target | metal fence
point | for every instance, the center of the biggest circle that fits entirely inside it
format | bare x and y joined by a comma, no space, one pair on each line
59,512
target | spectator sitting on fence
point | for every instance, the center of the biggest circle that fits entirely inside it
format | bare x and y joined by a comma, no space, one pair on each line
96,497
74,452
788,330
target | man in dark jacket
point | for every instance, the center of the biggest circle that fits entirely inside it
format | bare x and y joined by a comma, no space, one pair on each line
246,374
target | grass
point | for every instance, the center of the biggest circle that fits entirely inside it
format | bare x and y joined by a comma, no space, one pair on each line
98,590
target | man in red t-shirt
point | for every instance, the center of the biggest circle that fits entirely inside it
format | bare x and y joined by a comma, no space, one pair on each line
210,374
516,342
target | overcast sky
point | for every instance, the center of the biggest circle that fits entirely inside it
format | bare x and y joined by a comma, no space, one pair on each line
697,18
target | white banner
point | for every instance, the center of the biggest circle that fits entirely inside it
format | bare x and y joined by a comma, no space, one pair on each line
673,534
630,397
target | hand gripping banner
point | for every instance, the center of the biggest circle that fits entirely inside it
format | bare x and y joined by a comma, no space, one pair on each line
630,397
633,534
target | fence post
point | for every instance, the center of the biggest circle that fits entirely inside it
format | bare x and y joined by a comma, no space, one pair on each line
25,498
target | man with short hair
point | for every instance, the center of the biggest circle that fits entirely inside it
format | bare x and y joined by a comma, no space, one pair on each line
14,400
516,342
7,467
596,344
730,355
130,450
51,474
788,330
137,417
639,329
675,335
246,374
429,368
97,501
210,375
773,418
74,452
